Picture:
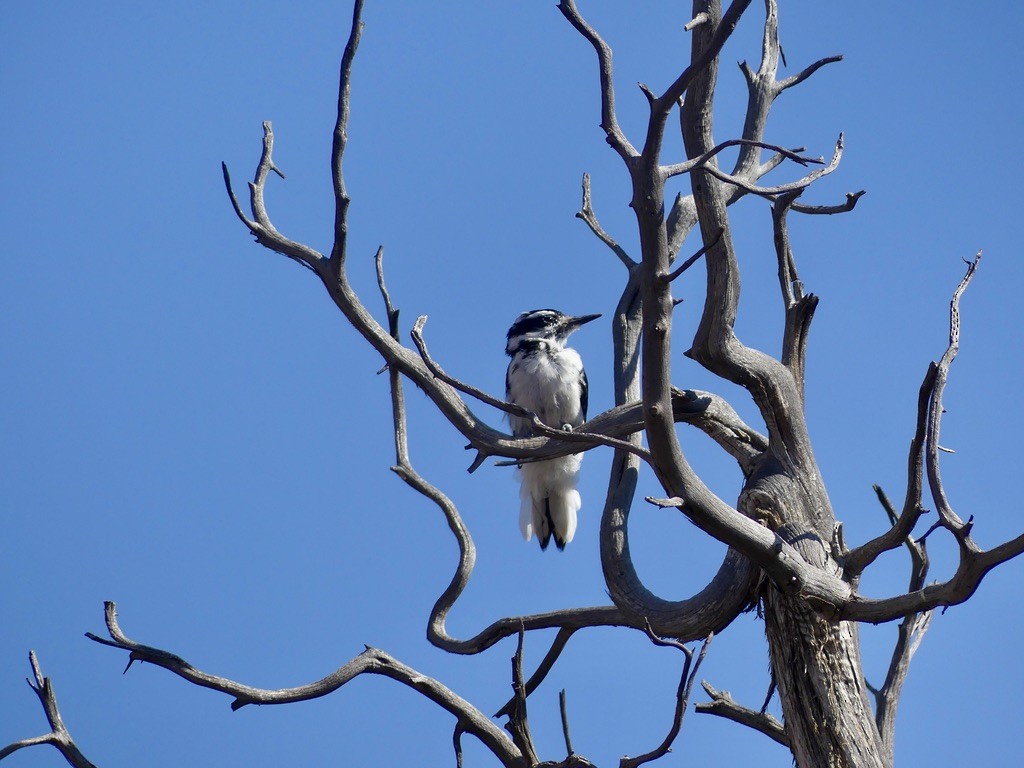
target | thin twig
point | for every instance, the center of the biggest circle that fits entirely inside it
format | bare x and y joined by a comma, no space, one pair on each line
518,723
340,140
569,751
557,646
587,215
909,636
693,259
798,78
682,697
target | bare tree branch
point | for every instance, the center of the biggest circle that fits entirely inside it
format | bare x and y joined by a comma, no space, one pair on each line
780,189
260,225
682,699
578,436
974,562
860,558
909,636
798,78
569,751
609,122
341,198
587,215
677,169
948,517
690,261
58,737
828,210
560,641
518,724
371,661
799,307
722,704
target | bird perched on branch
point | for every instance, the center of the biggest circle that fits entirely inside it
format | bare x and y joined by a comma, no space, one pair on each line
547,378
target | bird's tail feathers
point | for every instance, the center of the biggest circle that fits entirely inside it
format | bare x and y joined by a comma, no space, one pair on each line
550,500
554,515
562,509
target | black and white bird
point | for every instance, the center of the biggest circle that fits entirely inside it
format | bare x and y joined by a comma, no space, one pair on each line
547,378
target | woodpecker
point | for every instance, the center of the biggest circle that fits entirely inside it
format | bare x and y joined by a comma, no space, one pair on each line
547,378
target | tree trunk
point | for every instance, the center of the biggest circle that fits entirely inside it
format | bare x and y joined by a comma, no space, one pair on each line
817,668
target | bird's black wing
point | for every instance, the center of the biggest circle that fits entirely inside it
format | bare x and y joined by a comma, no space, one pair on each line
584,394
520,426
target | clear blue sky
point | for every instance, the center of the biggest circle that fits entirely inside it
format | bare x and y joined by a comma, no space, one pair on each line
190,429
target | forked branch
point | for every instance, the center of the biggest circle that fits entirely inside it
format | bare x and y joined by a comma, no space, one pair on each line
58,737
909,636
974,562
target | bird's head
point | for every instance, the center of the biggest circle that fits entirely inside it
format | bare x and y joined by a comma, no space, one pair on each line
547,324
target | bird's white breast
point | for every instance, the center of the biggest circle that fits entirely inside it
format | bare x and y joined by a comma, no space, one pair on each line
548,383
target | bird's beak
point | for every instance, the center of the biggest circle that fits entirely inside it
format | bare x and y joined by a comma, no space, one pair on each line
575,322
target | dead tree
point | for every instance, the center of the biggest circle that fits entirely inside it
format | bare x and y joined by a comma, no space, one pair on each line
786,553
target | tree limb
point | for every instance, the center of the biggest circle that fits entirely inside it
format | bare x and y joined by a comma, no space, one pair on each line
909,636
560,641
609,122
780,189
682,699
586,214
518,724
947,516
722,704
371,661
58,737
860,558
340,140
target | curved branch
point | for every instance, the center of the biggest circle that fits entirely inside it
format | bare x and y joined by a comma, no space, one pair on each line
58,737
798,78
696,163
682,698
260,226
974,564
780,189
609,122
947,516
371,661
